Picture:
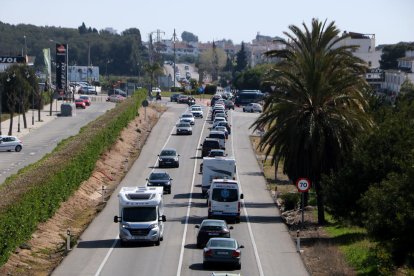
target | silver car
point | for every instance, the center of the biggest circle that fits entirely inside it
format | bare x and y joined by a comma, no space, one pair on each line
184,128
10,143
253,107
222,250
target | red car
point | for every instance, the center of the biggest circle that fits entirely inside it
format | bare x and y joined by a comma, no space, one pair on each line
85,99
80,103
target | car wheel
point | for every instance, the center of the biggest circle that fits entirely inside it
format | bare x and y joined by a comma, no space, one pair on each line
191,133
178,165
206,265
18,148
158,242
199,245
238,266
244,110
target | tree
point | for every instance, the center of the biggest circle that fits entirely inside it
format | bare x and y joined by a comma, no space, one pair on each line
317,107
211,61
189,37
391,53
241,59
82,29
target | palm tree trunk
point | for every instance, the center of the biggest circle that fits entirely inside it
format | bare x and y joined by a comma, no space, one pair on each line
276,166
24,119
320,203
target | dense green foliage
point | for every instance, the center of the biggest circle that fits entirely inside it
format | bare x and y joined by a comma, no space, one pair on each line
374,187
33,195
318,106
391,53
253,78
118,54
189,37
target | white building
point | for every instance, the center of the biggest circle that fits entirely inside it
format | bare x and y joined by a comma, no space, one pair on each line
395,78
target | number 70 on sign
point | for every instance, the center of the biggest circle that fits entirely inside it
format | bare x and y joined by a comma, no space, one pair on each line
303,184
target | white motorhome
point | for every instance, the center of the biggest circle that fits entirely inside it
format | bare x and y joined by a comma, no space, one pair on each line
141,214
217,167
224,199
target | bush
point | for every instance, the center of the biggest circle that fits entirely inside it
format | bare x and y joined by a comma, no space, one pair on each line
35,193
290,200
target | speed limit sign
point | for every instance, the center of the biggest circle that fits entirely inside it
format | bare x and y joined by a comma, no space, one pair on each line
303,185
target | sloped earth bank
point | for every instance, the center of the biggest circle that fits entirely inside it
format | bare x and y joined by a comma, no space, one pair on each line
46,249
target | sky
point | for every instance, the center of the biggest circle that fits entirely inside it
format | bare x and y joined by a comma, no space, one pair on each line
391,21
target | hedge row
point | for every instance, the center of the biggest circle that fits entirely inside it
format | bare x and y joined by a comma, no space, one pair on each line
34,194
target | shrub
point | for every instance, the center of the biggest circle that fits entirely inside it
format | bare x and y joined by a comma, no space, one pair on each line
290,200
35,193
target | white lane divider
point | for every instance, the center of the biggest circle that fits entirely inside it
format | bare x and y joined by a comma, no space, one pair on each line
256,253
116,237
187,216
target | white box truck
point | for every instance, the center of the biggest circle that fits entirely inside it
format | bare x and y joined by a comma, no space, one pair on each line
141,214
224,199
217,167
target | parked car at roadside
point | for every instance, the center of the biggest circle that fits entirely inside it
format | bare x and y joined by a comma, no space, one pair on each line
86,99
115,98
79,103
117,91
10,143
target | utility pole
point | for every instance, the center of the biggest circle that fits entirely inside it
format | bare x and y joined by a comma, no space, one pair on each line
174,39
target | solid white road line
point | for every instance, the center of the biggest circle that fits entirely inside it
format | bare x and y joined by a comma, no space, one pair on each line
116,237
187,216
256,253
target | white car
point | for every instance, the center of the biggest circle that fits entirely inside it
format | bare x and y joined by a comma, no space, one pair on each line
183,128
188,116
197,111
253,107
217,120
223,129
9,143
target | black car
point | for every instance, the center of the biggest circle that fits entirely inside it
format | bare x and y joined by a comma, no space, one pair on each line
168,158
160,179
212,228
174,97
208,145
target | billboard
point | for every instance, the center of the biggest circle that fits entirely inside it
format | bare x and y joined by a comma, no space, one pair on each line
61,66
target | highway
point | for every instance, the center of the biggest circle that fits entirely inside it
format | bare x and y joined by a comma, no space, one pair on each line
269,250
44,139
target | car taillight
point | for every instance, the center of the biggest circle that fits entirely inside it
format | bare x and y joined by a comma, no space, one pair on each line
208,252
236,253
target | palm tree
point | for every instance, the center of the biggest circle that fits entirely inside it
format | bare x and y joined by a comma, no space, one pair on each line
317,107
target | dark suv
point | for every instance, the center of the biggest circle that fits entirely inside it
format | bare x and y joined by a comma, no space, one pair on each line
209,144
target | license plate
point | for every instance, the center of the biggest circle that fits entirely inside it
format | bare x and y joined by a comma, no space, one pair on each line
222,253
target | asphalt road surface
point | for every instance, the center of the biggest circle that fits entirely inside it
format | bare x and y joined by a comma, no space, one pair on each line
269,250
44,139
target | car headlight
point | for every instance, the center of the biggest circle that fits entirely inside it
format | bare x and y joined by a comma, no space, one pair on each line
154,225
160,159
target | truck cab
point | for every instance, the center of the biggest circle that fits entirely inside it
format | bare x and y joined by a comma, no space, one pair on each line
141,215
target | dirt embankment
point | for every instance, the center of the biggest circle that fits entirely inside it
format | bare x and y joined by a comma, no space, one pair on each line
46,249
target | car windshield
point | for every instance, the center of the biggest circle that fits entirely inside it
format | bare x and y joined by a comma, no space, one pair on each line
214,153
168,153
224,195
139,214
224,243
159,176
187,115
184,125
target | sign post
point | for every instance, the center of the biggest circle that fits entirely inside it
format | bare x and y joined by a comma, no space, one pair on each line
303,185
145,104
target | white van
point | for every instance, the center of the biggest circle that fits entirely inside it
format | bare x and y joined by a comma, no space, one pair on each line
224,199
141,214
220,135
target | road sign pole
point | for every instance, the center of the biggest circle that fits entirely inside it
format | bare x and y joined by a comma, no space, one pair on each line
303,211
